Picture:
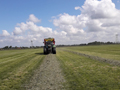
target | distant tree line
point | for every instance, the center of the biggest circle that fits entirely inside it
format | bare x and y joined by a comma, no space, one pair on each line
84,44
100,43
90,43
23,47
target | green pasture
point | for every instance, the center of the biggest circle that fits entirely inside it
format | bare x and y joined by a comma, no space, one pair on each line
83,73
16,66
104,51
80,72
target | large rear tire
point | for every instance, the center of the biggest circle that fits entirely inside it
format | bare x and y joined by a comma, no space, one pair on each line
54,51
45,51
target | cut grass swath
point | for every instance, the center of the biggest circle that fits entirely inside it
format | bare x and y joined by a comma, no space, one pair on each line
16,66
104,51
83,73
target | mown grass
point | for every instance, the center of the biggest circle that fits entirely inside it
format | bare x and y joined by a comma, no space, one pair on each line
83,73
16,66
104,51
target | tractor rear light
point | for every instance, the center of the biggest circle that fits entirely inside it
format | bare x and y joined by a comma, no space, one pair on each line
53,41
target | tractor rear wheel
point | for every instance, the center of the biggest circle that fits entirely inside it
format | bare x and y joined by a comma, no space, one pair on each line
54,51
45,51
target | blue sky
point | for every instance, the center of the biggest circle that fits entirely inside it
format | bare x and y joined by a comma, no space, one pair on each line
75,21
17,11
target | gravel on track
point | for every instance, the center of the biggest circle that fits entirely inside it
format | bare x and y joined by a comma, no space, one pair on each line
48,76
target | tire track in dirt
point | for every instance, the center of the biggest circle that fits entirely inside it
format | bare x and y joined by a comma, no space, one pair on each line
48,76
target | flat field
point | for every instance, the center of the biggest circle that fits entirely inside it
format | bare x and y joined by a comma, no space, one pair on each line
84,73
80,71
104,51
16,66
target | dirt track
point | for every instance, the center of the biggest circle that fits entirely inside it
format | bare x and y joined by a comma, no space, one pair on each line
48,76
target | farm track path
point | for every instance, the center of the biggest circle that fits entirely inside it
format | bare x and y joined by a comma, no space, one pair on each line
48,76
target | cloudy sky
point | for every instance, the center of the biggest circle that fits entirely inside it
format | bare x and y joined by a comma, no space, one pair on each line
68,21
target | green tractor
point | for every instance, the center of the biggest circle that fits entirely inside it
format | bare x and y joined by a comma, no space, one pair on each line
49,46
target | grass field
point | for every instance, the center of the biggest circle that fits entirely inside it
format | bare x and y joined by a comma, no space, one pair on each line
104,51
16,66
83,73
80,72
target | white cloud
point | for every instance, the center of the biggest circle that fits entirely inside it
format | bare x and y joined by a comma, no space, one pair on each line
23,26
65,19
72,25
94,26
34,19
99,9
98,21
17,31
30,27
77,8
5,33
1,41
